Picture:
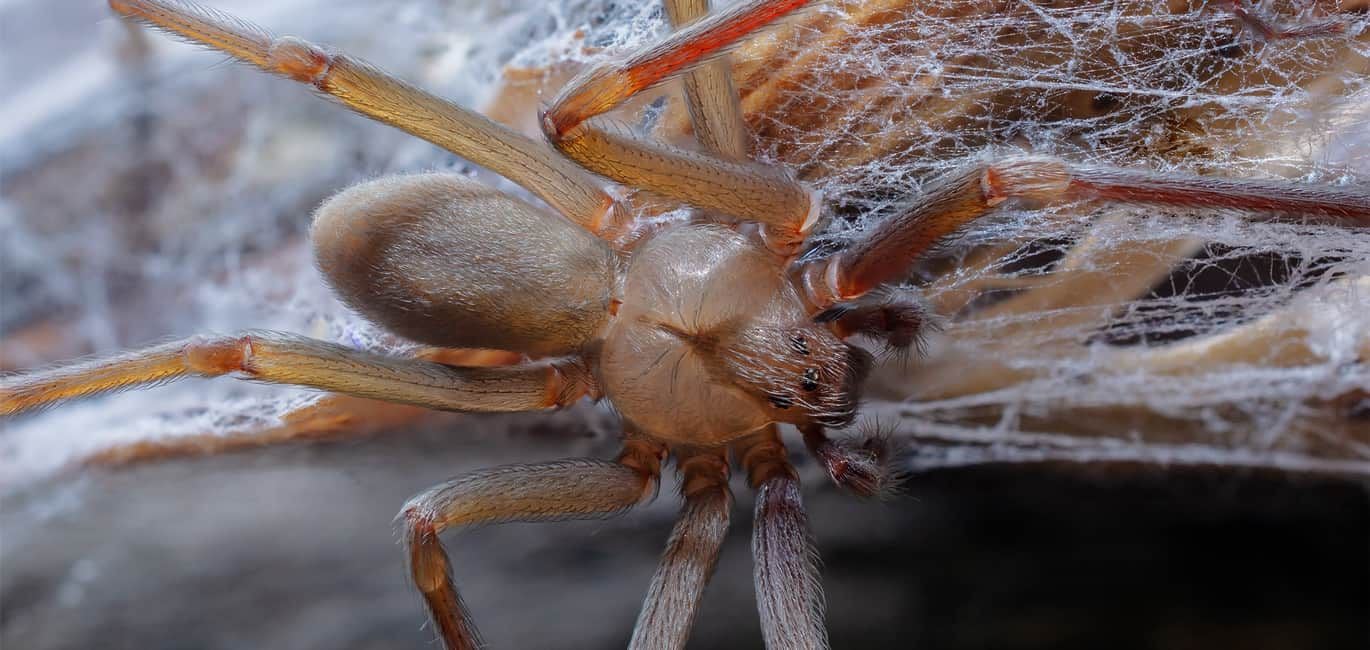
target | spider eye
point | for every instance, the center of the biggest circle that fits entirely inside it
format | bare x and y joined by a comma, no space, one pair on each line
781,401
810,380
800,344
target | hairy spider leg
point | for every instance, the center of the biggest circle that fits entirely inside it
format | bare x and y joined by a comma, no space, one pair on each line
606,86
332,417
569,489
282,358
1252,18
385,98
886,251
710,94
789,596
727,185
748,191
672,601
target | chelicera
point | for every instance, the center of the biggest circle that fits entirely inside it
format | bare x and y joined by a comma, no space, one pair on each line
704,336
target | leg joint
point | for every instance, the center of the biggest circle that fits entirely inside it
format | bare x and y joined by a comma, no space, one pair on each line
216,356
645,458
567,382
301,61
764,458
702,473
1036,179
419,520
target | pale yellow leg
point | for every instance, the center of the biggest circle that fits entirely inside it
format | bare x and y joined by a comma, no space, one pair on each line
384,98
290,359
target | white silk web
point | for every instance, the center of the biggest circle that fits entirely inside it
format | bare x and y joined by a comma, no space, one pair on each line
1075,333
1094,333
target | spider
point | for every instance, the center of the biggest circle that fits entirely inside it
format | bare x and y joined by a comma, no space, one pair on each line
703,336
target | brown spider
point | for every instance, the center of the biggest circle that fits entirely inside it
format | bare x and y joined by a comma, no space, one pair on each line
703,336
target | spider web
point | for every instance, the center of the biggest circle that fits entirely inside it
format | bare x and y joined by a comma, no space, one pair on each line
1089,333
1080,333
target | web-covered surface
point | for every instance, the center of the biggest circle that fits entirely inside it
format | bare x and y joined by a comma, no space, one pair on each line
152,191
1076,333
1092,333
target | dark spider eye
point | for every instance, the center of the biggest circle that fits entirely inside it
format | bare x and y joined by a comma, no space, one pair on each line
800,344
810,381
781,402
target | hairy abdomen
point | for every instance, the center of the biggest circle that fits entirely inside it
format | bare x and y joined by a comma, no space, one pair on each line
446,261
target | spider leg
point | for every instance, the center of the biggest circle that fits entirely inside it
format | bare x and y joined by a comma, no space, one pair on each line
668,611
289,359
384,98
886,251
1252,18
769,196
606,86
710,94
789,596
568,489
331,418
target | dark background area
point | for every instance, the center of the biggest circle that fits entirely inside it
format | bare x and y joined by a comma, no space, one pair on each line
293,548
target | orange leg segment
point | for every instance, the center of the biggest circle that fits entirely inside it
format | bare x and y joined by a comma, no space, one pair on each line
604,87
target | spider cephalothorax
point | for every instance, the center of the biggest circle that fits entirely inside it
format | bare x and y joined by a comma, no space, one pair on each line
708,322
704,336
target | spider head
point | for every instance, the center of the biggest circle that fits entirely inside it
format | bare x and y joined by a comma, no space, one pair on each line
801,372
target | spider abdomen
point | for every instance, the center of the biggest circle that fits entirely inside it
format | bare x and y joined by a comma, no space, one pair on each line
444,260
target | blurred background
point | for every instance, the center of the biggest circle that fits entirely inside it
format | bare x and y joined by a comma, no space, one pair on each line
149,190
